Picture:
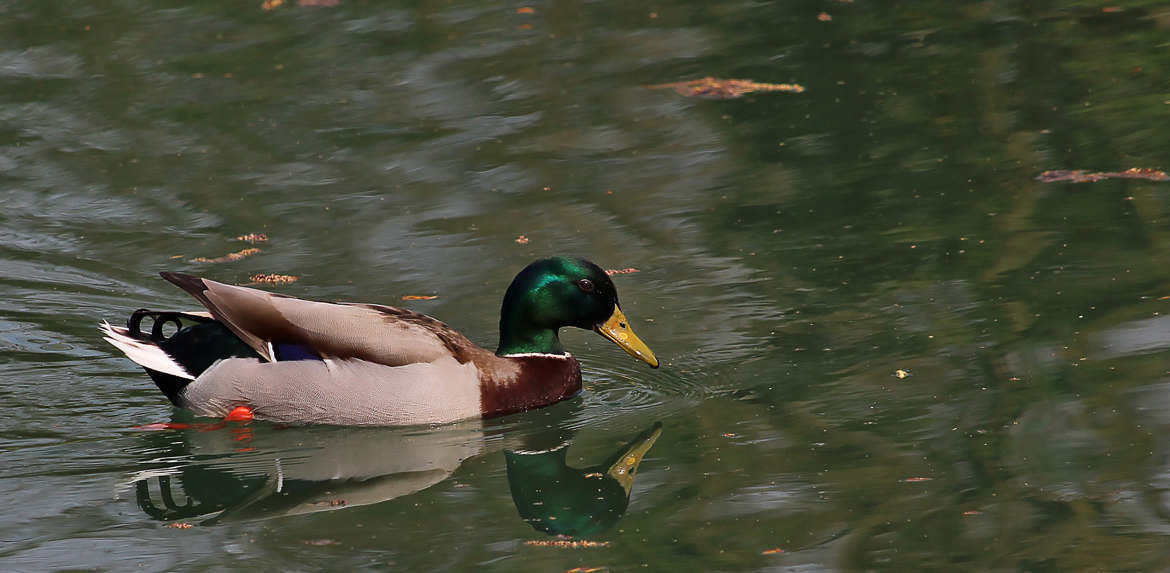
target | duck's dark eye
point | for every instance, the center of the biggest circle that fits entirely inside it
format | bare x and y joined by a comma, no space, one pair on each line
585,285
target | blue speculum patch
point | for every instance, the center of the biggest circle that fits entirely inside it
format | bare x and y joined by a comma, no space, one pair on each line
289,352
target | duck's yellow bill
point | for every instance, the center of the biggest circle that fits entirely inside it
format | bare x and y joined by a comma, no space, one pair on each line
617,329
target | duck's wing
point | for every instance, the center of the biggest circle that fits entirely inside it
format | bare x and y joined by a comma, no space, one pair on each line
380,334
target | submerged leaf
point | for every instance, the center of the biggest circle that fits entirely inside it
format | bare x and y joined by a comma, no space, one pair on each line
566,543
725,89
228,257
1083,176
274,279
320,542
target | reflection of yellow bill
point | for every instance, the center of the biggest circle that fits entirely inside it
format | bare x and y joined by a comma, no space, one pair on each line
617,328
623,469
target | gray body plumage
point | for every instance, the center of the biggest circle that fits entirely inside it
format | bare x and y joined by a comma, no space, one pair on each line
349,392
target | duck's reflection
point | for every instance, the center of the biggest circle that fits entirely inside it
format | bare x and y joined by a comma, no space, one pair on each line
268,471
241,472
573,502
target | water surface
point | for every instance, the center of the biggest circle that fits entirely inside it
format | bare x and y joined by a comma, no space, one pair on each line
795,251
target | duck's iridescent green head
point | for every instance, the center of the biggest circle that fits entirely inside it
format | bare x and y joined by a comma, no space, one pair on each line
561,291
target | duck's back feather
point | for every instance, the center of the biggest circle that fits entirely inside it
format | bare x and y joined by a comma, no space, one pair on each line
379,334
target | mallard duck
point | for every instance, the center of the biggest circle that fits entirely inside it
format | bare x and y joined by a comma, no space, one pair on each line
290,360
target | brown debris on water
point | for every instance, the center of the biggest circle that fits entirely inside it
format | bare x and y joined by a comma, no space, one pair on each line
566,543
624,271
1083,176
320,542
772,551
228,257
716,88
419,296
179,525
522,240
253,237
270,5
274,279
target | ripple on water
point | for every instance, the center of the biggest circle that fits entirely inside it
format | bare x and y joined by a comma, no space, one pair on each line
627,395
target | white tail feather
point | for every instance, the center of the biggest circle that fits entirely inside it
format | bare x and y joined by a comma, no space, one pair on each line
145,354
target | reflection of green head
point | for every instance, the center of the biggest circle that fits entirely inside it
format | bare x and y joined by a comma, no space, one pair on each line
562,500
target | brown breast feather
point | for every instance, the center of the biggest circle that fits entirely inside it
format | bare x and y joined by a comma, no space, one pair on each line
515,384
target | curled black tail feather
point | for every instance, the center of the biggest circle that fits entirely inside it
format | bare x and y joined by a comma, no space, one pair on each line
198,343
160,318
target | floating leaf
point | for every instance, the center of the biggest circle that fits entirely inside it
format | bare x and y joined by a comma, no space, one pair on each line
1082,176
522,240
269,5
228,257
725,89
525,10
772,551
320,542
915,479
253,237
624,271
419,296
824,17
566,543
274,279
901,374
179,525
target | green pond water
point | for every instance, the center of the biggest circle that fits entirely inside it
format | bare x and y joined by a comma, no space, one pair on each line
885,344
